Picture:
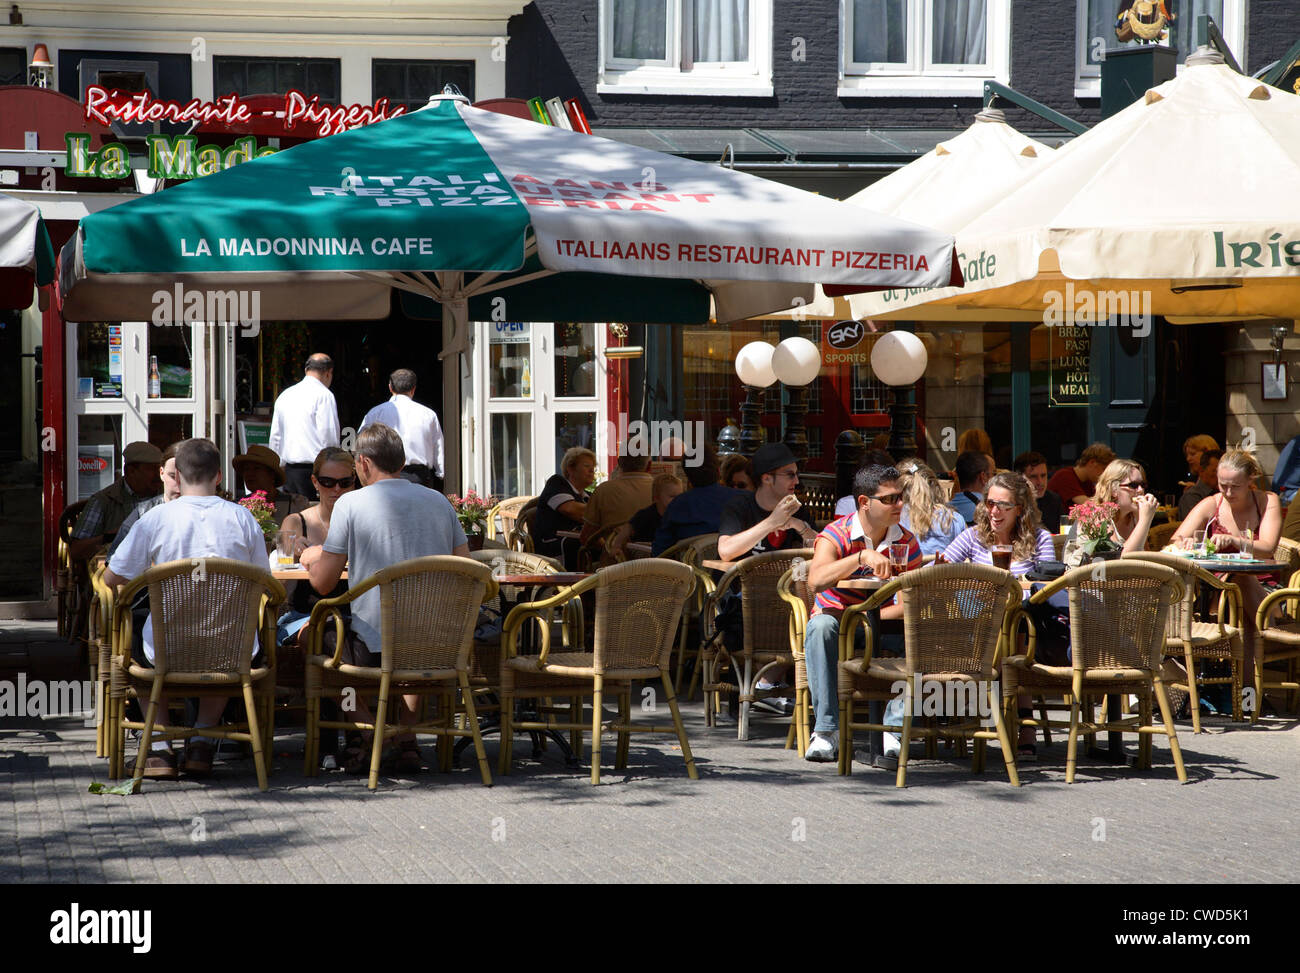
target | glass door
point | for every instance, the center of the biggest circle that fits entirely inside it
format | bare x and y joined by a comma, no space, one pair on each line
130,381
543,392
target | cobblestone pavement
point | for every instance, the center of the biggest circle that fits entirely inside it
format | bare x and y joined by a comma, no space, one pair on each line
757,814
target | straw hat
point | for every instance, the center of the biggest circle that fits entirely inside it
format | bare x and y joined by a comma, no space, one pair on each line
262,456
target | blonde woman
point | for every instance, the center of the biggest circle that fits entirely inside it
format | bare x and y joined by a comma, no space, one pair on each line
1124,483
935,524
1240,517
1007,515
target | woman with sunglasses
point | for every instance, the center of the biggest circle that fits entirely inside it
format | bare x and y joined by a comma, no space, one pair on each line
1007,516
1123,483
332,474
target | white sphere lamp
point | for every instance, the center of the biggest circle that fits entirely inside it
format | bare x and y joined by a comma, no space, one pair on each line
899,358
754,364
796,361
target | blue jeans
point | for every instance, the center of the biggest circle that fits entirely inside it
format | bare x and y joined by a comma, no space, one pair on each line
821,647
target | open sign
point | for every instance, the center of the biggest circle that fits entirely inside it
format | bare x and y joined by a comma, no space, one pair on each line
844,335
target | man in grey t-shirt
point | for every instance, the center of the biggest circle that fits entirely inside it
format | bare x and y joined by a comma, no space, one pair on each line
389,521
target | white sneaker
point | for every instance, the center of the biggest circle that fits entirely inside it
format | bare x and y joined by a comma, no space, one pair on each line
893,745
824,747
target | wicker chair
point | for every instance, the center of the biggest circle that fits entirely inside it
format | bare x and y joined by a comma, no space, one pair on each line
1161,535
485,663
521,535
953,617
795,591
206,615
1288,552
1118,613
1188,639
638,607
429,610
70,578
767,632
1278,646
507,510
688,552
101,650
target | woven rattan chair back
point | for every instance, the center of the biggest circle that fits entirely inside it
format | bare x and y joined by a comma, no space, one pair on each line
638,606
507,510
766,614
429,610
516,562
1159,536
1118,613
68,519
521,538
953,615
1288,552
705,548
206,613
1182,613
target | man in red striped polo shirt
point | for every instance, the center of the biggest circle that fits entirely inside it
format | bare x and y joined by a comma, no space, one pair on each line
853,546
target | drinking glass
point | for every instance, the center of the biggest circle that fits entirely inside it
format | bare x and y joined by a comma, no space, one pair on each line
898,557
1001,556
1199,539
1247,546
1171,500
286,547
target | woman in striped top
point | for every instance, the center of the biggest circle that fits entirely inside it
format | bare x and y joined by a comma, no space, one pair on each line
1008,514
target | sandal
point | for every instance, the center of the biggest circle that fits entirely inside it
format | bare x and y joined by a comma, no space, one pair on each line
356,755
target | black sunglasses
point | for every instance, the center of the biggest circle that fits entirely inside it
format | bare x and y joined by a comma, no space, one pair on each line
1136,484
346,482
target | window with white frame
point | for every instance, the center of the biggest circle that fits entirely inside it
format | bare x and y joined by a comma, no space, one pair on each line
1095,34
685,47
923,47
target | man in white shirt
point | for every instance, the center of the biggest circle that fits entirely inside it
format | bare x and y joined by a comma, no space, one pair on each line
305,421
197,524
417,425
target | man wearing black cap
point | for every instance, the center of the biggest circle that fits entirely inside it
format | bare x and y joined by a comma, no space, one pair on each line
767,519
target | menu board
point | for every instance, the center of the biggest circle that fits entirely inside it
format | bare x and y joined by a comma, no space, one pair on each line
1069,350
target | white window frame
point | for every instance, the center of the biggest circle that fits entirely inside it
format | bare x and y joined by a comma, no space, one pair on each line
542,406
676,74
1087,77
919,77
135,407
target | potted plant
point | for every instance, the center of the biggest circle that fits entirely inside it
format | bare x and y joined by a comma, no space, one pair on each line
263,511
1094,532
472,511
